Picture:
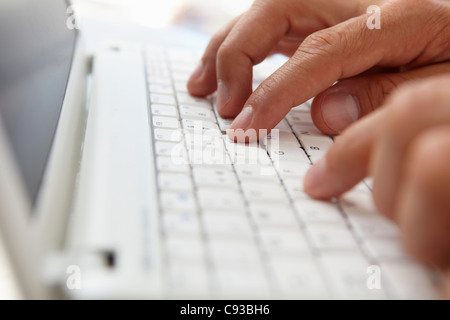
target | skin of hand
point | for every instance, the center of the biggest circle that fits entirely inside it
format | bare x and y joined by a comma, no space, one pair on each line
352,71
405,147
328,41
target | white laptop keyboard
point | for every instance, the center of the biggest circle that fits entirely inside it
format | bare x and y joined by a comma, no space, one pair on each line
235,221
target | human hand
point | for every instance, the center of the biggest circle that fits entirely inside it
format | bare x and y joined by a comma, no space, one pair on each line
405,147
329,41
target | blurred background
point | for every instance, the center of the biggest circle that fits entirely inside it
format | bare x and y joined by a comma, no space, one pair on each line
134,20
202,15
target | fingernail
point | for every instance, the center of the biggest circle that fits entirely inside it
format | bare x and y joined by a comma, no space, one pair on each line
314,178
339,110
223,95
243,120
197,72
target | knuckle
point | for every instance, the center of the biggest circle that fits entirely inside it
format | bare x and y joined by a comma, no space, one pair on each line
261,94
224,53
272,89
215,43
265,88
207,57
335,45
321,42
339,39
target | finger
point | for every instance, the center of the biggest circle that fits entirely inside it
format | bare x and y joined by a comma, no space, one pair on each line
376,144
346,162
414,108
423,205
289,44
322,14
304,20
339,106
255,36
203,80
342,51
248,43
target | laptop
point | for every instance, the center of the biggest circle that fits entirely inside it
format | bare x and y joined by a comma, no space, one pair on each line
117,184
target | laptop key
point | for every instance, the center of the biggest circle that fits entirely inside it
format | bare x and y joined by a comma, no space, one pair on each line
177,201
216,198
315,146
287,153
164,110
195,112
310,210
241,282
233,252
256,191
182,248
174,182
162,98
155,79
299,117
326,236
170,135
180,223
161,88
272,214
187,99
216,177
299,278
348,274
224,124
170,149
200,126
172,164
189,279
226,224
284,242
288,169
166,122
249,171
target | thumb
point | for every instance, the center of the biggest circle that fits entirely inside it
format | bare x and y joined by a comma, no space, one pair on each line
336,108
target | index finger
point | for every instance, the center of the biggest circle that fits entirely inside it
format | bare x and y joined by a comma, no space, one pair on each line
248,43
341,51
346,162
